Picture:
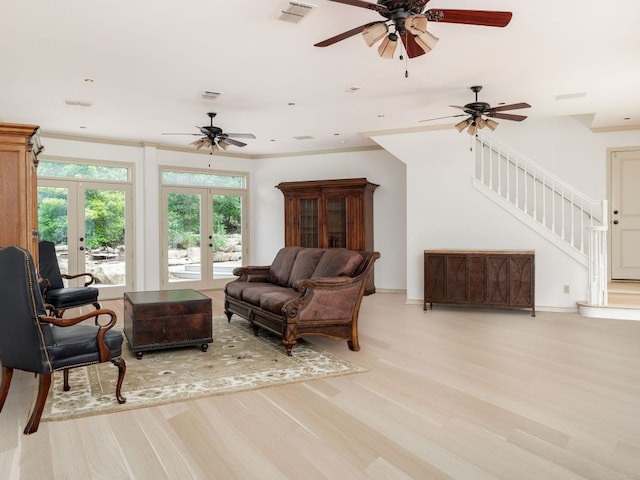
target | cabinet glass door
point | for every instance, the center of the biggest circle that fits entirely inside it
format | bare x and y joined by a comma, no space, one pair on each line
337,222
309,227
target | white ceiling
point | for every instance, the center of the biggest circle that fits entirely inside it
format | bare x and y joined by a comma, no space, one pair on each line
151,61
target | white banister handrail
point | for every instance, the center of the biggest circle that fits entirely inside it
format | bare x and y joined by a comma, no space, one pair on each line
549,201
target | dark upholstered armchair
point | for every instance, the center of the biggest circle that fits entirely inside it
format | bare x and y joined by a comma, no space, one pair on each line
53,289
33,342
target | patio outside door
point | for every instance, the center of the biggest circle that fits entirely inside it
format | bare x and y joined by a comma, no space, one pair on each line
202,236
88,222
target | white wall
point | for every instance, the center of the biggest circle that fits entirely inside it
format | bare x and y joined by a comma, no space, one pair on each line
444,211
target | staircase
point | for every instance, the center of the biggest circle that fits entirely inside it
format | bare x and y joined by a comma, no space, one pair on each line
570,220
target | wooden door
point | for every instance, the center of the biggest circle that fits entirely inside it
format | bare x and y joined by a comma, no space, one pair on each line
625,215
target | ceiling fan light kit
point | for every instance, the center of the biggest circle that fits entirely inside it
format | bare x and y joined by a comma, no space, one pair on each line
491,124
388,46
460,126
374,33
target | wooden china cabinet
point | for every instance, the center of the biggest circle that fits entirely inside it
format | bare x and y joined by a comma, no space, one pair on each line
19,150
329,214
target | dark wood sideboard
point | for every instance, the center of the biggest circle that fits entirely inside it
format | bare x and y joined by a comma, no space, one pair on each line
492,278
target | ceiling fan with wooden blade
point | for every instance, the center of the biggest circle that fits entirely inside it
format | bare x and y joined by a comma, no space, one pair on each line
475,111
407,20
214,138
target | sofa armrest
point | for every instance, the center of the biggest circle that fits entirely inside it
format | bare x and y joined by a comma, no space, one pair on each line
251,273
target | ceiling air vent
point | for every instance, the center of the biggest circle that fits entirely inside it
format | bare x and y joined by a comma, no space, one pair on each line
209,95
295,11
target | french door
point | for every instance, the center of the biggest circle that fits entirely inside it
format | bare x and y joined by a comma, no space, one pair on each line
202,236
91,225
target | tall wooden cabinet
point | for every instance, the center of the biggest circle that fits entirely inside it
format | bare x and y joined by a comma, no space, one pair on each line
495,278
19,150
329,214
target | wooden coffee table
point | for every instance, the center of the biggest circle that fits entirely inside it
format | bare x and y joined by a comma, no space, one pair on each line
167,319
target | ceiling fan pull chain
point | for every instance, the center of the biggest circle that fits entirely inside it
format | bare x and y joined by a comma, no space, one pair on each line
406,58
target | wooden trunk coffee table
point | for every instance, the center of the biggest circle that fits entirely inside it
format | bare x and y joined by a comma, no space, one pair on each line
167,319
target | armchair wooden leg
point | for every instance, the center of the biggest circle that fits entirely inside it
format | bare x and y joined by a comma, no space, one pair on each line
44,381
7,373
65,377
122,368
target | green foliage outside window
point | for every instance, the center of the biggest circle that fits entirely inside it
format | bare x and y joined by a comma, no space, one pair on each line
104,218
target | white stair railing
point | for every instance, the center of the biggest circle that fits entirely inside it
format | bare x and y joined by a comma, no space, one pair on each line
551,203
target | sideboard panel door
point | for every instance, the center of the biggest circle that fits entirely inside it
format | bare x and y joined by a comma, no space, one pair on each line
435,278
477,275
456,280
497,280
521,281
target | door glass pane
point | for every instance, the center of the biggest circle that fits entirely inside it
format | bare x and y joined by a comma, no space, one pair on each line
53,221
309,231
104,236
183,223
227,234
337,222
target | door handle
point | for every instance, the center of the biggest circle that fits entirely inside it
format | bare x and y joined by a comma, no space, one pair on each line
615,212
81,248
615,222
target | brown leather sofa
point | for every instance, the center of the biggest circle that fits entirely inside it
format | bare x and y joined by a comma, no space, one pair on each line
305,291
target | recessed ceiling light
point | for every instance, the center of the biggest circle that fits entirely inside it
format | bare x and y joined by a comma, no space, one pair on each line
627,118
88,80
353,89
291,104
381,115
83,127
336,134
78,103
569,96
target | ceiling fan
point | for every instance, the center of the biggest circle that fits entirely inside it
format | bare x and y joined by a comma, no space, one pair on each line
213,137
407,20
477,110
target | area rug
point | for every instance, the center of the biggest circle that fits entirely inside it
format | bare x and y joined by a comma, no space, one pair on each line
236,360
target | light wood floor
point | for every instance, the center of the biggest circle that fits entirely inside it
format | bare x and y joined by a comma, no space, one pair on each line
451,393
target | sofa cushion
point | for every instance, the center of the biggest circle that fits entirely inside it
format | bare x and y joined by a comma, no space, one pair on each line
235,289
273,301
281,266
305,264
336,262
252,294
